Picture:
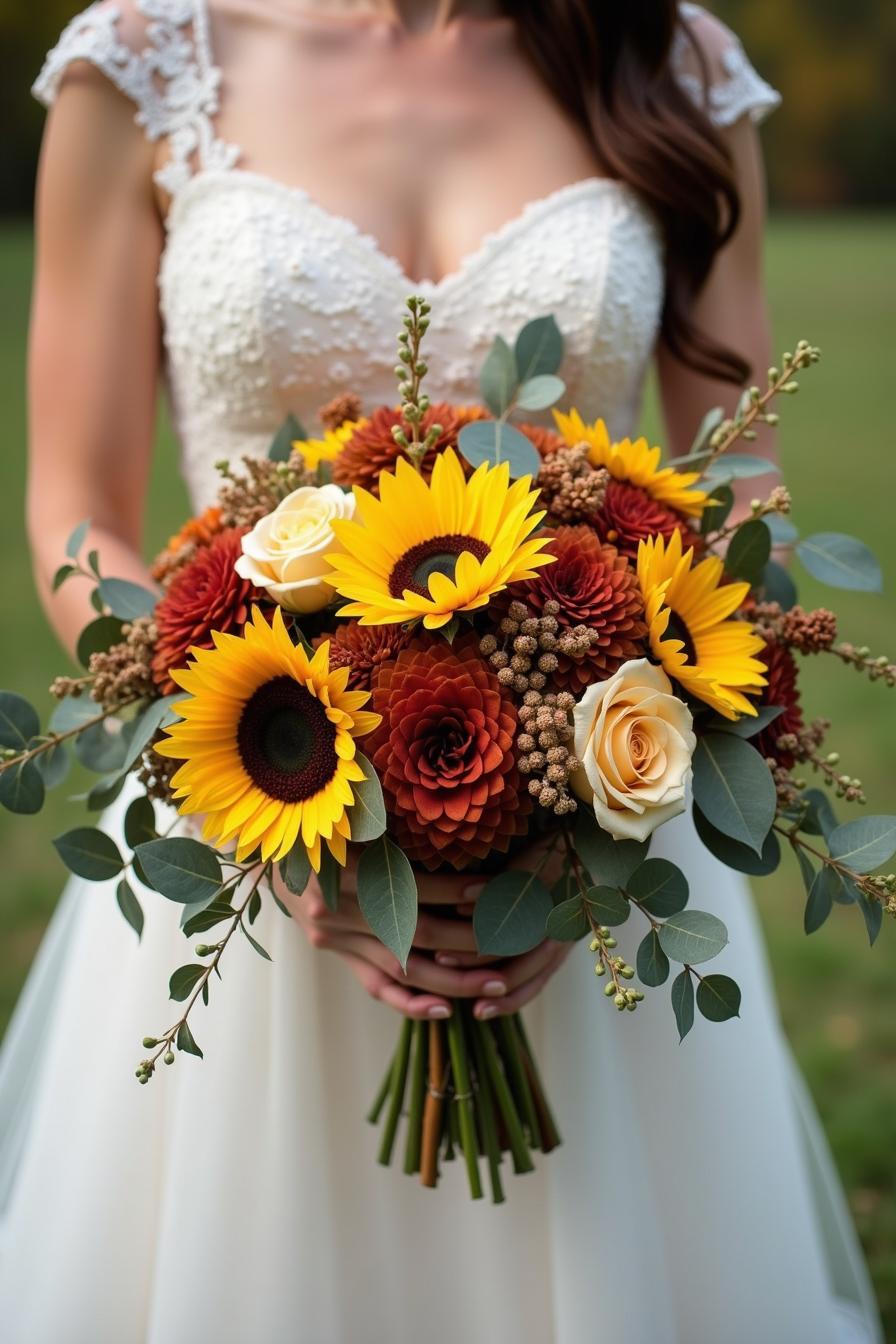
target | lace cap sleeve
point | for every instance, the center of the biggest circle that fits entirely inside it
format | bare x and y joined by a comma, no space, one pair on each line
734,87
157,53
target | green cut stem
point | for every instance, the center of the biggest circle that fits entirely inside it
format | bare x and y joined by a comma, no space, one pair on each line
522,1158
511,1051
379,1101
463,1099
415,1110
550,1135
487,1123
396,1092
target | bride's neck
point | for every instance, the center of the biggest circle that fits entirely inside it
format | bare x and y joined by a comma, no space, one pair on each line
413,15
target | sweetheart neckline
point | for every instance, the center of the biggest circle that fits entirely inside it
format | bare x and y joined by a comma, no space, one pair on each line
492,240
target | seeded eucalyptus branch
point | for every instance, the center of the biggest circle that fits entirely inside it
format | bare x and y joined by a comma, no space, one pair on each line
410,372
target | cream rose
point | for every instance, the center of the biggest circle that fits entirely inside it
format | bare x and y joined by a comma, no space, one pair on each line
635,741
285,550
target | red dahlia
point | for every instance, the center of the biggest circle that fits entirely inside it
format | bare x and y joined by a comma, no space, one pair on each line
594,586
206,595
363,648
781,690
372,449
445,755
629,515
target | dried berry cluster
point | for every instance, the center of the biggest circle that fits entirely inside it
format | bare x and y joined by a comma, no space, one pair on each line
335,413
535,643
806,631
123,673
572,490
247,498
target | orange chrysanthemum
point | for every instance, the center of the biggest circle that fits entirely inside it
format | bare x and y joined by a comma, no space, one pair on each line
195,532
372,449
363,649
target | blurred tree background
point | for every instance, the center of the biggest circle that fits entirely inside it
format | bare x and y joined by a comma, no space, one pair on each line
833,61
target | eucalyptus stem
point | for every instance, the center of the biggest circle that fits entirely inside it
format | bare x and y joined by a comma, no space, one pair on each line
51,740
522,1158
418,1092
463,1099
397,1087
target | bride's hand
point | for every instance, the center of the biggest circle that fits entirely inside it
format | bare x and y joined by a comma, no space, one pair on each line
443,964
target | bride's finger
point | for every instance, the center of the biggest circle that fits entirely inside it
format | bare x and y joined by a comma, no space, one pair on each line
384,989
524,993
423,972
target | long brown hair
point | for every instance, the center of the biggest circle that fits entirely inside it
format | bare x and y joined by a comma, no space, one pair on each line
648,132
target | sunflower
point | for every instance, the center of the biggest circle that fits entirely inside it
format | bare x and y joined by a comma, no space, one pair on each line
688,609
432,549
327,449
267,738
634,462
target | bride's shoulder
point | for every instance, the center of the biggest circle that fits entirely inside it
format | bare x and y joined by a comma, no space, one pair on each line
712,66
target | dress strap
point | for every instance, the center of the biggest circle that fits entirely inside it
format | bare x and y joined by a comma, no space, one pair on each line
734,88
158,53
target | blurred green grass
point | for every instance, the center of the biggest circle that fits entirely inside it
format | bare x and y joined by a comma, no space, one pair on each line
831,280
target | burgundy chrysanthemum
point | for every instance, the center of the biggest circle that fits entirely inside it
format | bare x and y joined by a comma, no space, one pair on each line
445,755
206,595
781,690
372,449
629,515
594,586
363,649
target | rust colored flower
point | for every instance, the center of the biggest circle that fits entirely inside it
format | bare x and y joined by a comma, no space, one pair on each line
630,515
781,690
372,449
445,755
363,649
341,408
197,531
547,441
206,595
597,587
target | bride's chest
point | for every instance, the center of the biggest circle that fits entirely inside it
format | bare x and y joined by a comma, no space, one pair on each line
271,302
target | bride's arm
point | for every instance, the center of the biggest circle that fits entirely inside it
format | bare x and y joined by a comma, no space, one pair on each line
93,359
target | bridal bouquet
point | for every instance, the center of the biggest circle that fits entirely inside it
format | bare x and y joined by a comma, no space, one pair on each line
438,637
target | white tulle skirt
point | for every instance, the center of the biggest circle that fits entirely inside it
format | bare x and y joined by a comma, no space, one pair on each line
237,1198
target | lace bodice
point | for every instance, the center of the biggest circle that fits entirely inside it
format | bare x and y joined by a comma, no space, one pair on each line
271,303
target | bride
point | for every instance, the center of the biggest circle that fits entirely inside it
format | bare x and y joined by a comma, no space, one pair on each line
295,168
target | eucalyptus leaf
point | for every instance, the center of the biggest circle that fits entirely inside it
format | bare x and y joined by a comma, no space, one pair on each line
22,789
607,905
102,747
716,511
54,765
280,449
295,869
749,725
498,377
253,909
683,1003
158,714
262,952
511,914
742,858
97,637
127,600
710,422
778,586
748,551
610,862
739,467
387,895
538,348
89,853
568,922
181,869
783,532
495,441
539,392
718,998
807,870
63,573
185,1040
73,711
864,844
872,911
651,963
77,539
734,789
840,561
210,915
368,815
93,561
565,888
820,817
692,936
330,879
184,980
660,887
821,898
139,822
18,721
130,907
104,792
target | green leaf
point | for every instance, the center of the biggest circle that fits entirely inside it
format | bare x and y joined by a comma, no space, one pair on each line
565,888
742,858
715,514
97,637
807,871
210,915
63,573
281,444
660,886
820,817
89,853
255,943
253,910
537,393
748,551
840,561
130,907
184,980
72,712
872,911
734,789
185,1040
538,348
139,822
710,422
295,869
683,1003
181,869
607,905
368,816
782,529
864,844
651,963
568,922
610,862
104,793
329,878
96,601
498,378
158,714
511,913
718,998
738,467
93,561
54,765
750,725
778,586
387,895
280,906
127,600
692,936
495,441
76,540
18,721
22,789
101,748
821,898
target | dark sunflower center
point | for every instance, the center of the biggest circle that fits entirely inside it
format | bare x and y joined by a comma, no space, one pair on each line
676,629
286,742
437,555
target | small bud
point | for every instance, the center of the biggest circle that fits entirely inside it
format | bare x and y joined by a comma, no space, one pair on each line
149,1042
169,1057
609,989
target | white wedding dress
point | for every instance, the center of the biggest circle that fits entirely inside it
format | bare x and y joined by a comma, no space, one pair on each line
237,1198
